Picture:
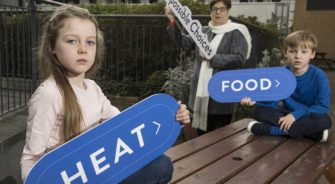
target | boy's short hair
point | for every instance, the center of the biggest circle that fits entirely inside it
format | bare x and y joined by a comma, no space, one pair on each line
301,38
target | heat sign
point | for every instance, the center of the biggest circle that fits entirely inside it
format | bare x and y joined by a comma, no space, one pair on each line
262,84
115,149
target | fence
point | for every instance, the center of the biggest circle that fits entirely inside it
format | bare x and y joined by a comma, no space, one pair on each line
137,48
15,57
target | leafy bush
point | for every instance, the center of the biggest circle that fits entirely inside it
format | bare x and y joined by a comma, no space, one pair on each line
179,79
197,8
271,30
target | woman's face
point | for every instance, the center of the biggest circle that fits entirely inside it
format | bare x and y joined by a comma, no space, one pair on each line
219,14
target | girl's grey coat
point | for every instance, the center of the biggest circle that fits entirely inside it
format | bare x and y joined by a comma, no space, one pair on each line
231,54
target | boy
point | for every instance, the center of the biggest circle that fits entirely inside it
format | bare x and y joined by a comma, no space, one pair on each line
304,113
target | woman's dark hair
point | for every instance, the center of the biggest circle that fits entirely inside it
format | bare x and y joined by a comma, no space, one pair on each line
227,3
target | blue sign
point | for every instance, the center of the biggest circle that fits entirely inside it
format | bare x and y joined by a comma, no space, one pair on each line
114,149
262,84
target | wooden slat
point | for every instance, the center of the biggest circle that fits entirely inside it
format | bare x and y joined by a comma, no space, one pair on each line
271,165
187,148
225,168
330,172
201,159
310,166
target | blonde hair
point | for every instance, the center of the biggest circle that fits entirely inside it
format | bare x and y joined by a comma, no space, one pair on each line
50,66
301,38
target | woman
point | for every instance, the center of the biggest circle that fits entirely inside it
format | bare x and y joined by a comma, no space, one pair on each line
232,43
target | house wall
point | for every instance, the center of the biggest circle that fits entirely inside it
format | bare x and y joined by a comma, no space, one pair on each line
319,22
12,2
263,11
266,12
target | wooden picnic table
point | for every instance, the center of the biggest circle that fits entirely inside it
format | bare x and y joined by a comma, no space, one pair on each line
321,59
232,155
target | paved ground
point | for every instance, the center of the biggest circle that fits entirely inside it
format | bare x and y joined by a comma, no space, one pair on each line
331,78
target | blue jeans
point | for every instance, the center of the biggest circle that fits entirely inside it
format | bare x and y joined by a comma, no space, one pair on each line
159,171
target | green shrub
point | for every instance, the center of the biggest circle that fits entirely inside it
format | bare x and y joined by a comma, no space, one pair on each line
197,8
179,80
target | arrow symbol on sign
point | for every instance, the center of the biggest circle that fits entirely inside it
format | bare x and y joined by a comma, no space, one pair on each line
277,83
159,125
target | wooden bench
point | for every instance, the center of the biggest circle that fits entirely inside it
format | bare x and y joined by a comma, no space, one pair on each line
232,155
321,59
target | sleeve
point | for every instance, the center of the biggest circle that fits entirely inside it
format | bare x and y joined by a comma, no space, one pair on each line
181,39
321,101
107,109
42,115
300,109
290,103
237,53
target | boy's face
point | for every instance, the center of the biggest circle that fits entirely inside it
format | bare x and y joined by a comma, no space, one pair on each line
76,46
299,58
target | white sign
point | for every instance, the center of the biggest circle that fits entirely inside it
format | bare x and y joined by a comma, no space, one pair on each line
193,27
265,84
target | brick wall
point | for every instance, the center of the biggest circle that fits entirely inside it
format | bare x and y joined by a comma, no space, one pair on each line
319,22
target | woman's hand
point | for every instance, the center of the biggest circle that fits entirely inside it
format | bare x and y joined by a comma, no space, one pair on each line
247,101
183,115
169,14
286,122
202,56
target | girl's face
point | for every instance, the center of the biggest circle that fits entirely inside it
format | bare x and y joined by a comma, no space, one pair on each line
75,46
299,58
219,14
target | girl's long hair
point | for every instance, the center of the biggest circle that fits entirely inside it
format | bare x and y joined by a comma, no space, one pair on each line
50,66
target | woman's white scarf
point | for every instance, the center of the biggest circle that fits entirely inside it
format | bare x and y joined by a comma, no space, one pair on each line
206,72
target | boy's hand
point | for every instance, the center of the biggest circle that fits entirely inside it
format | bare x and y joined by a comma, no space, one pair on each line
286,122
169,14
247,101
183,115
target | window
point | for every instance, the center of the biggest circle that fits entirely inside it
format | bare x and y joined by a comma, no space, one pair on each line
320,5
68,1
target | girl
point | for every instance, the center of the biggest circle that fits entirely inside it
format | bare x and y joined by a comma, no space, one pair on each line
66,104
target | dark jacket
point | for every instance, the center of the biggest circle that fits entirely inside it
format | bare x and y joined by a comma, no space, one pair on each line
231,54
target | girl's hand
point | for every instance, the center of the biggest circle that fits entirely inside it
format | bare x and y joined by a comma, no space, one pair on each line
169,14
286,122
183,115
247,101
